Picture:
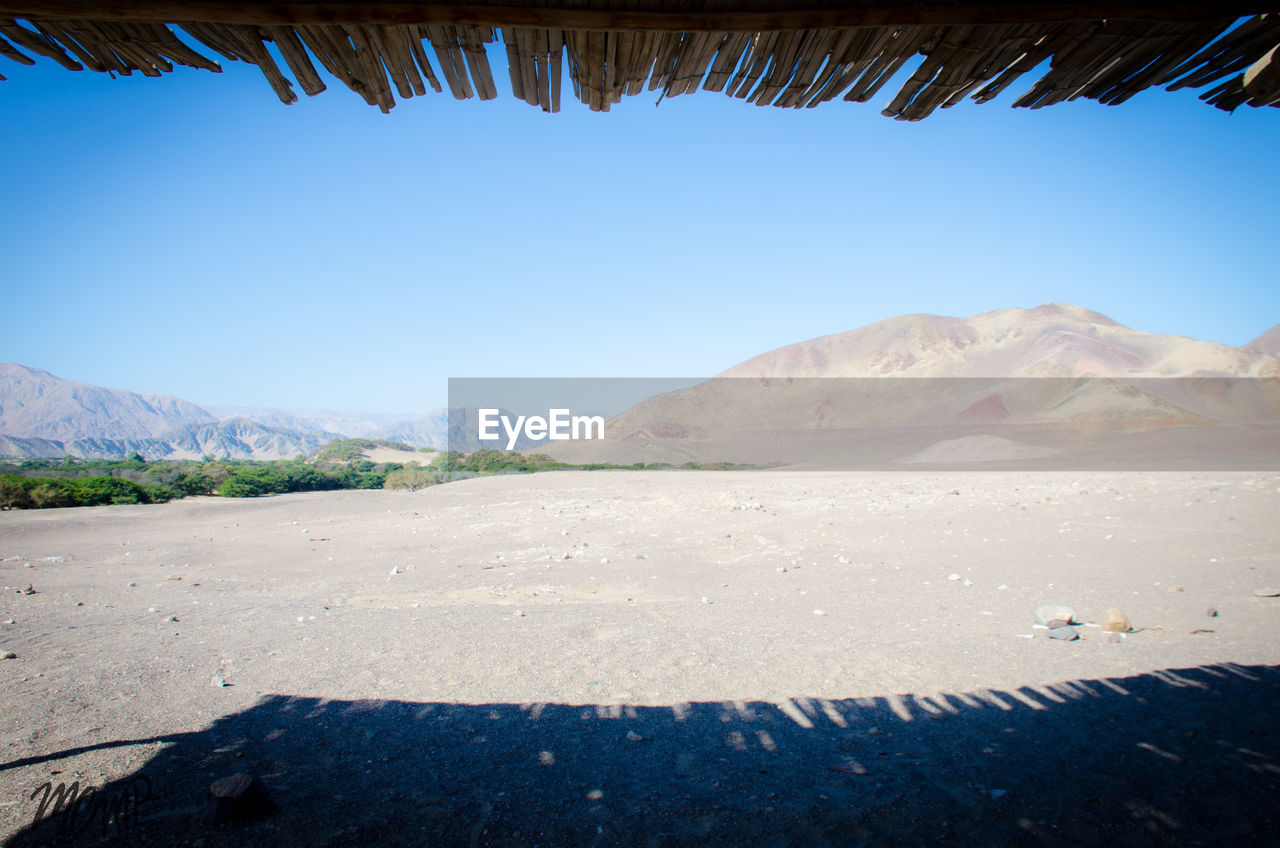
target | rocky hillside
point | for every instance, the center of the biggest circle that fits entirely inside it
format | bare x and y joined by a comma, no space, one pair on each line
35,404
1054,340
42,415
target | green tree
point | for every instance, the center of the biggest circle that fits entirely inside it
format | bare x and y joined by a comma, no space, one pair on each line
13,494
46,494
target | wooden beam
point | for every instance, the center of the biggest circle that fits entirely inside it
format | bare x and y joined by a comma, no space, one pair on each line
1262,80
852,14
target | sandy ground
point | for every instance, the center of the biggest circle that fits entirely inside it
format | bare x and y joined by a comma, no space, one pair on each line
656,658
404,457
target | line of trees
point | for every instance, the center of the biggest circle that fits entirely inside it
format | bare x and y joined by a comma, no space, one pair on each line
18,492
43,483
39,484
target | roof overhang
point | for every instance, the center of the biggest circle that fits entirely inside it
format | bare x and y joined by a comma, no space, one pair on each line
767,53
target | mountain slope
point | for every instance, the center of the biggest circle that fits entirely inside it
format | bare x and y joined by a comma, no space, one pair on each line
45,416
1054,340
1268,342
926,387
35,404
353,425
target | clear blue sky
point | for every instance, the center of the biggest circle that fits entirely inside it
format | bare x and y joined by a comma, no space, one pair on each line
191,235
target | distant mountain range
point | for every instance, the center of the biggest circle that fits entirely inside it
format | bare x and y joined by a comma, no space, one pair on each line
42,415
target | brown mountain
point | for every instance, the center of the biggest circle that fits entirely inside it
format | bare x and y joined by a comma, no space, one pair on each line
1054,340
1268,342
1057,381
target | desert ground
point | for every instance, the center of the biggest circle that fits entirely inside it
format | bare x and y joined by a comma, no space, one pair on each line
656,658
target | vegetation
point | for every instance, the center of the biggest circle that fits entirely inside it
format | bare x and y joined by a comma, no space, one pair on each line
40,483
412,478
71,482
19,492
349,450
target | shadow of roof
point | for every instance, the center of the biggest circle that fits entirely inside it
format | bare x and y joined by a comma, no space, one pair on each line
1186,756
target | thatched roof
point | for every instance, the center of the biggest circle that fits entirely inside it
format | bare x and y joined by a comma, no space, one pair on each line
764,51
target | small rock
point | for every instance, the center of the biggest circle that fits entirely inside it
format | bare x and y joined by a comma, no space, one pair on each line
237,797
639,556
395,569
1211,612
604,560
1175,588
8,655
132,584
518,614
632,736
8,621
28,565
217,682
1257,593
842,559
172,618
1064,633
151,609
953,577
819,612
1115,621
996,793
1046,613
1114,638
30,590
968,582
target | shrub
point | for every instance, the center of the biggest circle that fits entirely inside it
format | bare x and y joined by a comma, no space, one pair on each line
194,483
47,494
411,478
13,494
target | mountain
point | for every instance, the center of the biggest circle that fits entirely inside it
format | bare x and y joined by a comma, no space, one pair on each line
1268,342
237,438
366,425
43,416
244,439
35,404
1057,382
1054,340
429,431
